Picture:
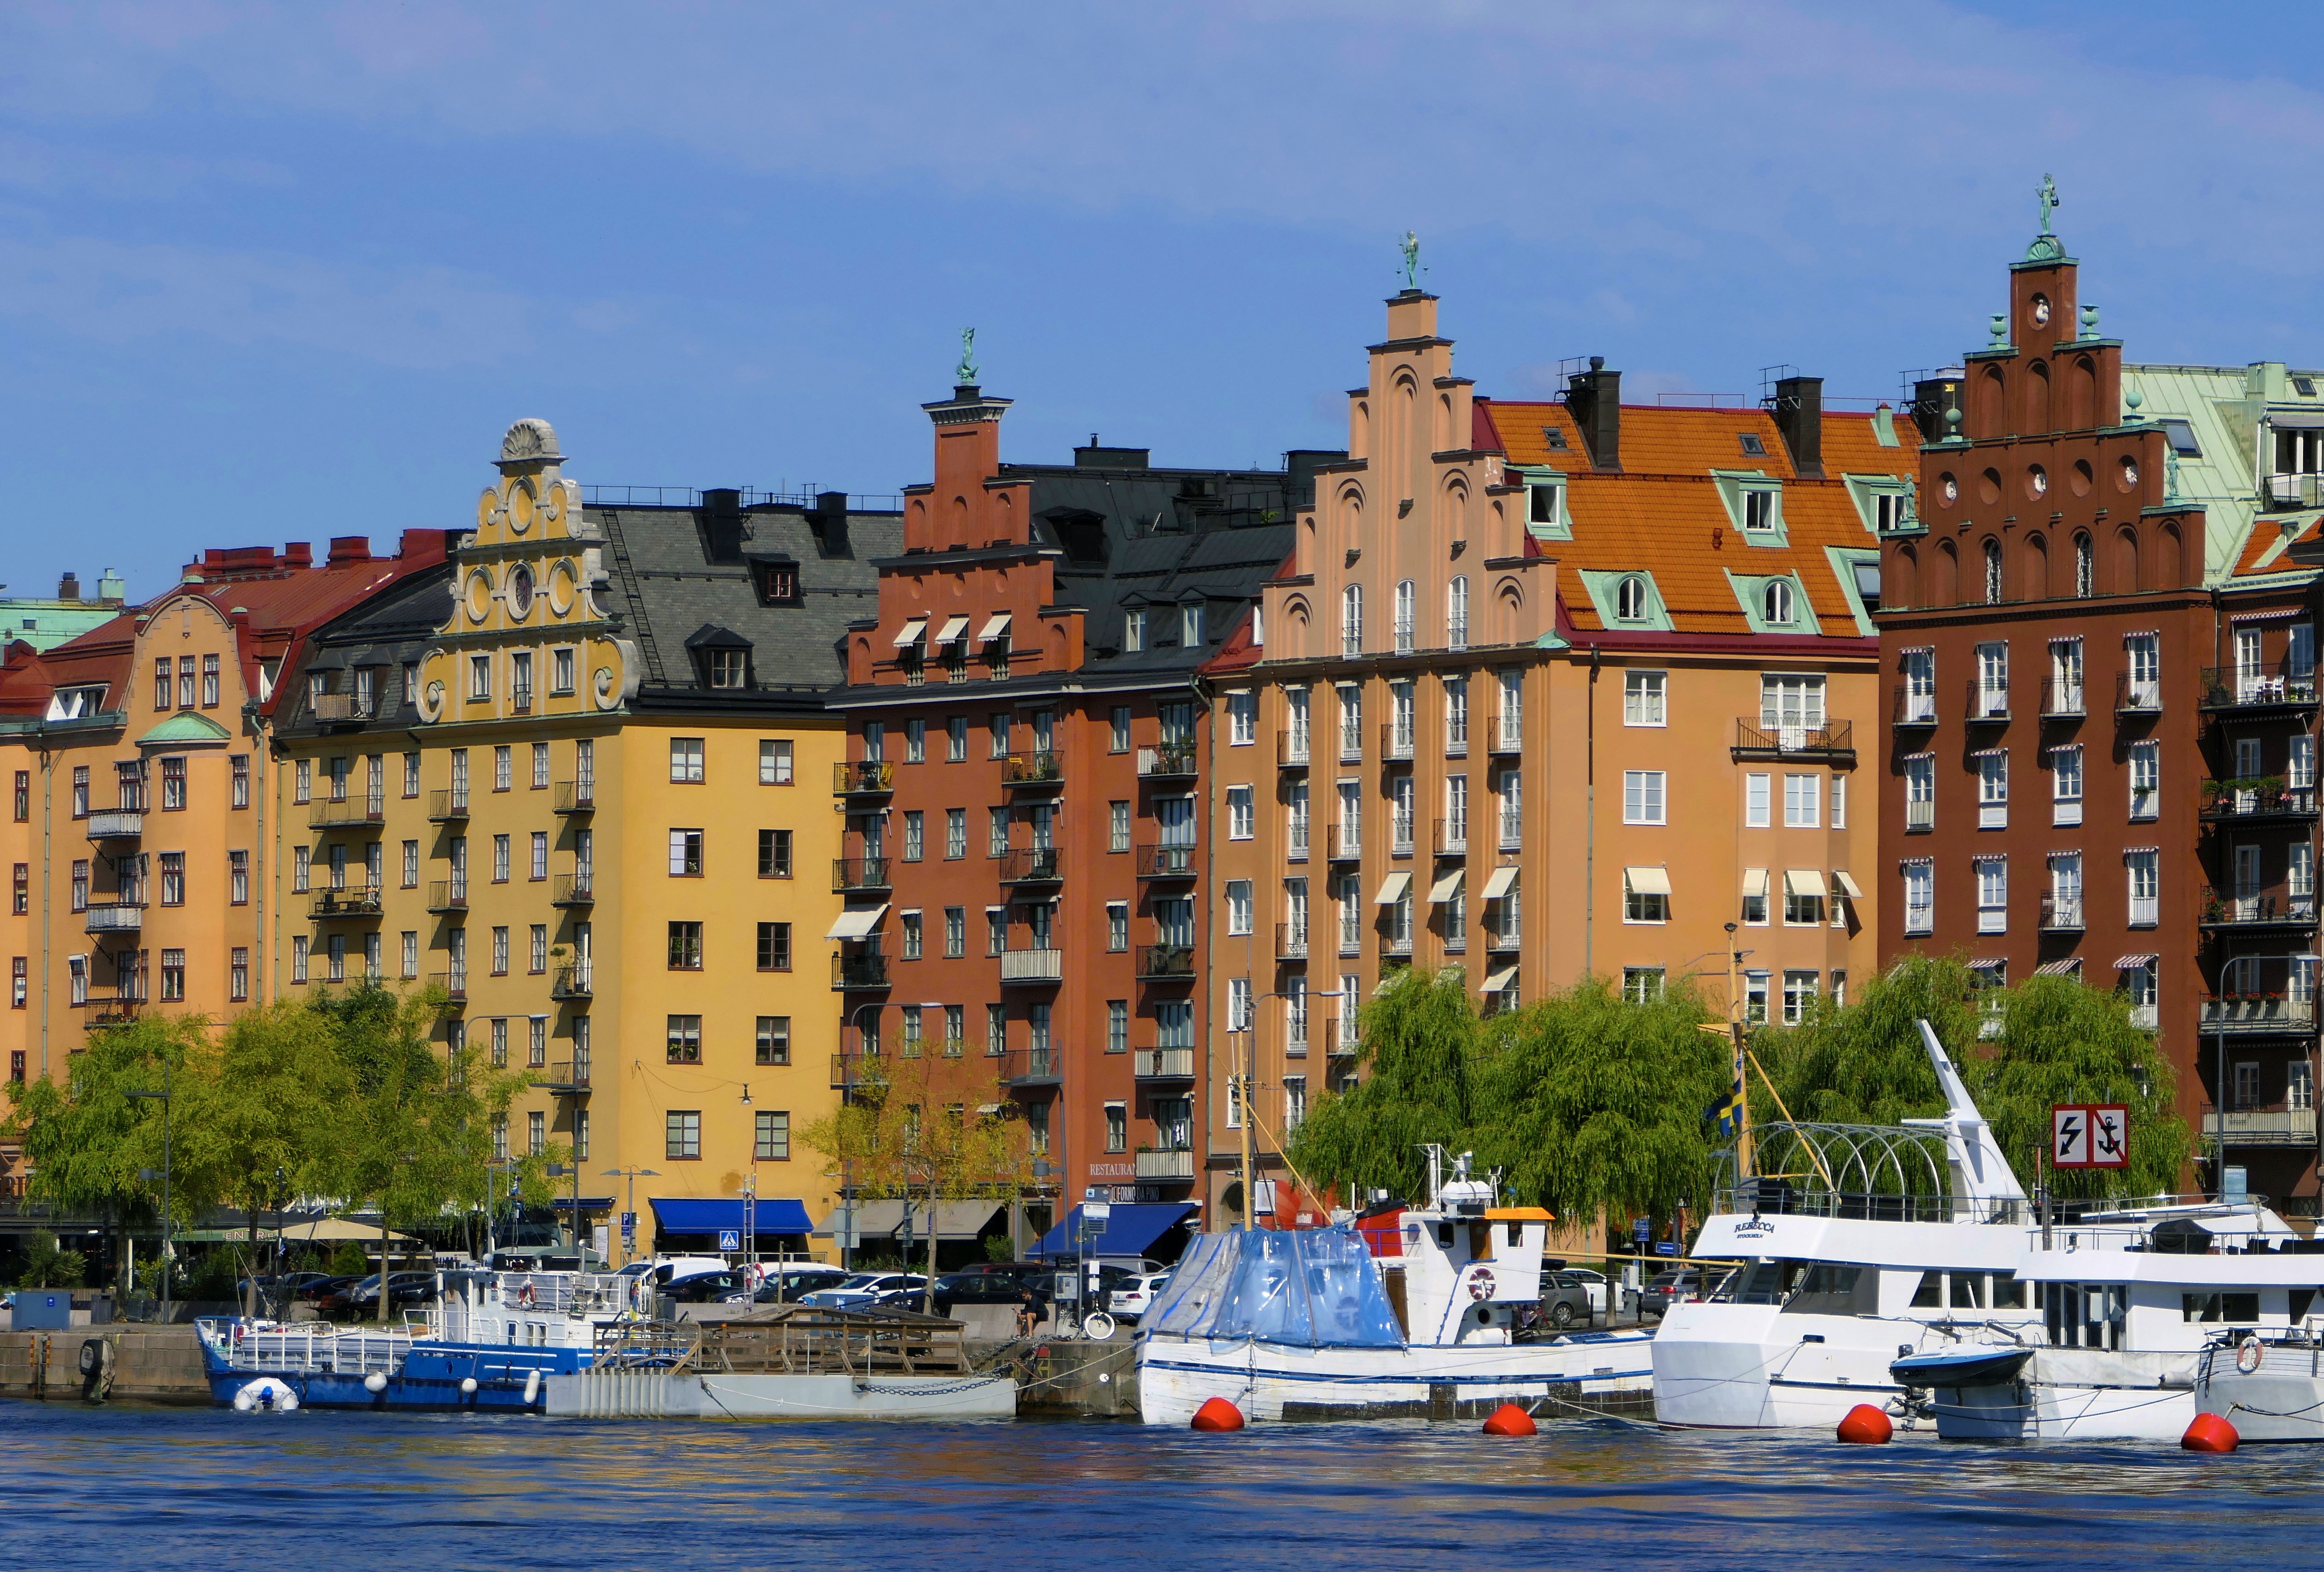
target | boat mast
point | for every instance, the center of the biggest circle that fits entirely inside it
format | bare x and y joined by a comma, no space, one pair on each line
1249,1187
1735,1040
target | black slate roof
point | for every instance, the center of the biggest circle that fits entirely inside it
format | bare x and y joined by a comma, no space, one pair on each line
389,631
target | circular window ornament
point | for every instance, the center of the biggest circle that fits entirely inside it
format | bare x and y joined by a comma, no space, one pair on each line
1950,489
480,596
562,588
2037,480
519,506
2041,310
520,592
2129,474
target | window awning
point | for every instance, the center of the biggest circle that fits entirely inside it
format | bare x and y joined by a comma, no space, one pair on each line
884,1220
2295,419
909,633
2072,966
1130,1229
1504,879
1988,752
1392,888
857,924
1650,880
1987,962
2283,615
995,627
1804,881
2127,962
953,628
1445,888
1847,884
681,1215
1500,980
1754,882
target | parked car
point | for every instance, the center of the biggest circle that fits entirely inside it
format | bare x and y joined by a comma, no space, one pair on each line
403,1289
1136,1296
862,1289
1564,1299
789,1284
1601,1295
1679,1285
706,1287
986,1285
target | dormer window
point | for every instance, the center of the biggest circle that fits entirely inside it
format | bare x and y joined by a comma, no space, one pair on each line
1775,603
729,669
777,584
1888,510
1133,630
722,657
1553,438
1631,600
1752,446
2181,435
1542,500
1758,509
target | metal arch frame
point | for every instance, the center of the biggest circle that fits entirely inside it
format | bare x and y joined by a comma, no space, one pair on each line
1870,1152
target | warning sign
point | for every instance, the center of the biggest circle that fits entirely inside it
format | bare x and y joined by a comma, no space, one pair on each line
2090,1135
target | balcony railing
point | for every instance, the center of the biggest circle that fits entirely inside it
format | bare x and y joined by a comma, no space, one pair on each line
2061,913
1502,937
447,895
1032,1067
567,1076
1033,864
1507,738
1163,1064
1165,962
1396,742
2138,695
1166,761
1292,749
116,917
867,971
448,806
1352,745
852,874
1834,742
2258,1014
521,700
2254,800
1914,709
1452,837
1337,1040
865,777
575,796
1921,813
363,901
1987,701
1346,840
2275,686
116,824
1033,965
850,1070
455,983
2294,490
2268,911
1033,769
2259,1125
1175,1163
1165,861
571,981
330,815
341,707
2062,698
578,888
1291,940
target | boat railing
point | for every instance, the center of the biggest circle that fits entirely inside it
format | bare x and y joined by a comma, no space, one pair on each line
572,1293
309,1348
1781,1198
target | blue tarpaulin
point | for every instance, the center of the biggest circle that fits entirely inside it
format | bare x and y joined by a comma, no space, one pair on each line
1130,1229
1313,1288
775,1216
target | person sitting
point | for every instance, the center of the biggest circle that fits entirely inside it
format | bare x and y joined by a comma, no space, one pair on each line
1032,1310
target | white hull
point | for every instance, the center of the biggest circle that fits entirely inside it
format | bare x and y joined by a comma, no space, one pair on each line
668,1394
1176,1375
2076,1395
1753,1367
2267,1405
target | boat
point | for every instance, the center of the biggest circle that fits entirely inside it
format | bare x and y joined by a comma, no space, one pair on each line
1418,1311
2135,1302
2268,1382
1853,1245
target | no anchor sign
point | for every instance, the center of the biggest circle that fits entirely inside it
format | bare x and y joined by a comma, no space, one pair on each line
2090,1135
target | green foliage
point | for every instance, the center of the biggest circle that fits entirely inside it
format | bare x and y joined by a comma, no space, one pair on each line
48,1266
348,1260
1864,1064
213,1277
905,1131
2063,1043
86,1138
1419,1042
1000,1248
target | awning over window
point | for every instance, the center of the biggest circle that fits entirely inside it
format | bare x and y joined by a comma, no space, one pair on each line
1445,888
2070,966
1847,884
1392,888
884,1220
909,633
2295,419
2130,962
1503,880
858,923
1500,980
1754,882
995,626
953,628
1653,881
688,1216
1804,881
1131,1228
1987,962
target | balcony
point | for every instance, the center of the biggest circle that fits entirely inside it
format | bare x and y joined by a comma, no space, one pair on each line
2063,699
867,971
1348,843
1291,940
1396,947
1452,837
1174,1163
1338,1042
1989,703
455,983
1165,861
2061,913
1164,963
1033,772
2258,1015
347,815
566,1077
2292,490
1033,864
864,778
852,875
448,807
1352,745
2278,687
340,709
109,1012
575,796
572,980
1032,967
116,824
2260,801
1833,742
333,904
578,888
1920,814
1396,743
447,895
1163,1064
2134,697
521,700
1292,749
1913,709
1508,740
850,1070
1166,761
1501,939
2258,913
2260,1125
116,917
1024,1067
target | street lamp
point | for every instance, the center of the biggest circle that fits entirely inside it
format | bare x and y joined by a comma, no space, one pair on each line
630,1217
143,1174
1248,1084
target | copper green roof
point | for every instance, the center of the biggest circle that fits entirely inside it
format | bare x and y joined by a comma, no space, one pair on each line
186,728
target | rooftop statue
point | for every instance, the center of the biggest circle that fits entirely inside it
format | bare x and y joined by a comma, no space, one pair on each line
965,374
1411,246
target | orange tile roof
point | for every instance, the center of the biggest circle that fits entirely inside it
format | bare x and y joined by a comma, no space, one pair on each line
2264,539
1662,514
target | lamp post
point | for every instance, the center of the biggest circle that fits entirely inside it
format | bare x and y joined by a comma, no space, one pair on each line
1248,1084
168,1256
629,1232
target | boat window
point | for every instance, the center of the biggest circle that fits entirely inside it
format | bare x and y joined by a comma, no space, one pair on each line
1930,1294
1829,1289
1967,1290
2086,1315
1517,1234
2236,1308
2300,1300
2008,1293
1444,1235
1764,1282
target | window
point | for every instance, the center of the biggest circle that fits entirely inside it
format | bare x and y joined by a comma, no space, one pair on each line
1758,801
996,831
686,946
1642,985
1801,799
1294,822
1351,619
500,858
1754,896
173,961
1992,790
2181,435
302,868
1190,624
1800,989
2066,784
685,761
1133,630
1646,896
1456,612
996,1029
1542,496
1512,809
298,958
1920,696
1993,572
1992,895
1755,998
1920,792
996,930
20,900
1920,897
237,974
1456,716
410,937
955,933
500,952
302,782
1512,715
1630,600
774,947
1642,796
1759,511
537,956
1992,682
1118,827
1643,698
1802,897
685,853
912,1014
1406,592
683,1038
538,867
2300,764
2146,779
2085,575
2144,877
161,682
20,982
480,677
1840,802
1775,603
997,733
1239,905
1117,925
683,1142
173,877
1241,817
772,1141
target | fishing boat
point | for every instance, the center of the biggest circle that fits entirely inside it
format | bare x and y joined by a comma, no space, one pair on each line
1401,1311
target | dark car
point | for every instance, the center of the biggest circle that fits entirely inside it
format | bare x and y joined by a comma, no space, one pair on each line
405,1288
1564,1299
706,1287
1679,1285
984,1285
329,1295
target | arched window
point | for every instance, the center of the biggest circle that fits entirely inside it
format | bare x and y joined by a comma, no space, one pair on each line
1351,619
1404,591
2083,568
1775,603
1456,612
1630,600
1993,572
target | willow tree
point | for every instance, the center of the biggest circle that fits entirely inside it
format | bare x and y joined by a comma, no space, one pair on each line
1864,1063
1593,1105
2061,1042
1414,1086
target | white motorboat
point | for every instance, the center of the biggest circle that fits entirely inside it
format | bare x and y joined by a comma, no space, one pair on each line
1871,1243
2268,1382
1401,1312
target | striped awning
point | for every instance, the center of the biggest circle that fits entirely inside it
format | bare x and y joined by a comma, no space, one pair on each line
953,628
2070,966
2127,962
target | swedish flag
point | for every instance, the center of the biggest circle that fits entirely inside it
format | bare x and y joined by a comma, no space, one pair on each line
1728,1110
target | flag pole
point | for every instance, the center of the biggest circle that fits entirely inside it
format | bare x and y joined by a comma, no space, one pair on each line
1735,1035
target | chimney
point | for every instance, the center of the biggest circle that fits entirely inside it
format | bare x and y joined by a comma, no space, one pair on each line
1799,418
722,524
68,587
1932,398
298,554
350,548
1594,398
829,521
112,586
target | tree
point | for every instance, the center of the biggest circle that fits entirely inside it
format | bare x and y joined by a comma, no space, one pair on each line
1865,1063
1414,1088
48,1266
2063,1042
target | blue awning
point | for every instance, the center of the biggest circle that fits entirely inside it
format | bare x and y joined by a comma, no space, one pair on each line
775,1216
1130,1229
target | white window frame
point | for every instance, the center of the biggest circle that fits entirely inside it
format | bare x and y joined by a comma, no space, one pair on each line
1645,698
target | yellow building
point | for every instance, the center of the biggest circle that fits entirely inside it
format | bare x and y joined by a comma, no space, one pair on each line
566,776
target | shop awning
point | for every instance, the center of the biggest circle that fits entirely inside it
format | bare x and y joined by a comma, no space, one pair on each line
333,1229
1651,880
1500,980
950,633
2070,966
2125,962
1754,882
1445,888
772,1215
1392,889
995,627
1499,885
1130,1229
1804,881
1847,884
884,1220
910,632
857,924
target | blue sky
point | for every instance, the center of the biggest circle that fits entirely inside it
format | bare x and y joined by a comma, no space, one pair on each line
283,272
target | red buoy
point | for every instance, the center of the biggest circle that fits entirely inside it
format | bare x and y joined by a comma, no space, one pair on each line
1866,1426
1218,1414
2209,1432
1509,1419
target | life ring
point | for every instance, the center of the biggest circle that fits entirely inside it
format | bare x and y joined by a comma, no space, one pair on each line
1480,1284
754,1275
2247,1356
525,1297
